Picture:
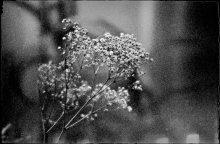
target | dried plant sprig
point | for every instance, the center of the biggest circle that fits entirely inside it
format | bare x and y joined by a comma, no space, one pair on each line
120,55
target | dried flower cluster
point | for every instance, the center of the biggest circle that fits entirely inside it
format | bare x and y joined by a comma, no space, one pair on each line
120,55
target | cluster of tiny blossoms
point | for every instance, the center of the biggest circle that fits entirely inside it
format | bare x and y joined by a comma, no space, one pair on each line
119,97
121,55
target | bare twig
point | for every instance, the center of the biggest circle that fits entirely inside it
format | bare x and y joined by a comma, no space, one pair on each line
63,128
85,104
55,122
43,126
97,110
52,110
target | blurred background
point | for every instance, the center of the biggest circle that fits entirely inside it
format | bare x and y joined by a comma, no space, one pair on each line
180,98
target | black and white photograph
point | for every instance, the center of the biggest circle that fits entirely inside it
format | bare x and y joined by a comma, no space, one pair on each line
109,71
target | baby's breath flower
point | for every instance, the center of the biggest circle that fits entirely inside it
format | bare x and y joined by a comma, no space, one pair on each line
129,108
122,55
137,85
82,115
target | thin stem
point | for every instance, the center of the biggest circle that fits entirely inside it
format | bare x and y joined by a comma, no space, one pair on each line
93,81
67,127
43,126
99,109
66,86
86,116
55,122
81,64
101,90
42,118
52,110
78,112
59,136
64,109
63,128
85,104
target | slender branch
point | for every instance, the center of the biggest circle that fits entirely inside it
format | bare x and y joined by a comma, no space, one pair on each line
42,117
85,104
43,98
44,101
80,64
64,109
55,122
66,85
67,127
78,112
63,128
52,110
60,136
93,81
101,90
63,113
97,110
43,126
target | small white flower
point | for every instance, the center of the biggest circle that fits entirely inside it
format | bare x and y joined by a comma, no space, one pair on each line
111,53
107,34
129,108
82,115
102,39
